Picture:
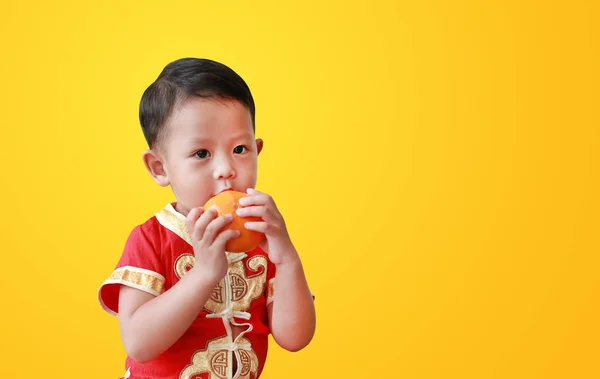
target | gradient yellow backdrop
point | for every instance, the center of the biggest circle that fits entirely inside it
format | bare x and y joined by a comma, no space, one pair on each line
437,163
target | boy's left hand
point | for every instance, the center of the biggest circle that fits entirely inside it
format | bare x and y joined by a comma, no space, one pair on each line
277,242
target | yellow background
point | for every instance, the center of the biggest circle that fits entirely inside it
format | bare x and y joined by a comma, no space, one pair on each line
436,161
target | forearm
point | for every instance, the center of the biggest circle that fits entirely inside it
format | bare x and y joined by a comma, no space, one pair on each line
160,322
293,316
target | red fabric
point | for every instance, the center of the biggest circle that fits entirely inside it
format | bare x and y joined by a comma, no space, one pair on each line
152,249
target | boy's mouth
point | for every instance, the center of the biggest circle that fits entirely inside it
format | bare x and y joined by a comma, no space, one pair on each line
223,190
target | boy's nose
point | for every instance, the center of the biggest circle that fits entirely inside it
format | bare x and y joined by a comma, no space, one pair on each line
223,170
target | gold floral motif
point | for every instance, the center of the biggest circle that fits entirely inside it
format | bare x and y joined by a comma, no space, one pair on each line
215,361
238,287
183,264
244,288
218,364
249,363
217,292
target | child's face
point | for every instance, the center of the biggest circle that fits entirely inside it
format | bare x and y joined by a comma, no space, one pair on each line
209,147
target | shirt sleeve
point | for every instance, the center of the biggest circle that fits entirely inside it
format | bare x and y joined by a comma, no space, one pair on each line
140,267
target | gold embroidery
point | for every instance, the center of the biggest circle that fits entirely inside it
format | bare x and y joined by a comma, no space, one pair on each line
183,264
249,364
216,292
238,287
218,364
175,222
271,290
244,288
138,278
215,361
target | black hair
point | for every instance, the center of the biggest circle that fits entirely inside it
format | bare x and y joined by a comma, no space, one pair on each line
185,78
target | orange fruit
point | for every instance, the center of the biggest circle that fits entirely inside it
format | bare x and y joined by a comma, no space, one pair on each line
226,203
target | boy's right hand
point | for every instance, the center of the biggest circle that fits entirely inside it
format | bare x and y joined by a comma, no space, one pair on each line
209,241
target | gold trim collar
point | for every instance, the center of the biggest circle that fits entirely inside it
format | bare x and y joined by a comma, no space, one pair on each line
174,221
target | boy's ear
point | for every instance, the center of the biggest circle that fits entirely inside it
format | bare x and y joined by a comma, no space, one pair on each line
259,145
155,167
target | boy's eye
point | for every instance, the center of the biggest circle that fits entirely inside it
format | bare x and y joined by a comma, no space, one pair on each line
202,154
240,149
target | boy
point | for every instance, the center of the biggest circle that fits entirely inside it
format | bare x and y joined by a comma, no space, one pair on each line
186,308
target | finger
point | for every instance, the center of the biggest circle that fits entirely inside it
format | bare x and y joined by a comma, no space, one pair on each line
257,199
191,218
202,222
252,211
259,226
252,191
210,233
224,236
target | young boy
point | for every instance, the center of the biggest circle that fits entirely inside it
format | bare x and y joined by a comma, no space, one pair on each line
187,308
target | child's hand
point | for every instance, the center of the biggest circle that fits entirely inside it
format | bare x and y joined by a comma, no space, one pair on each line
277,242
208,242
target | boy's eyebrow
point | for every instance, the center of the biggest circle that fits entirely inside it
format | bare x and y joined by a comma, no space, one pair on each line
203,140
199,140
244,135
